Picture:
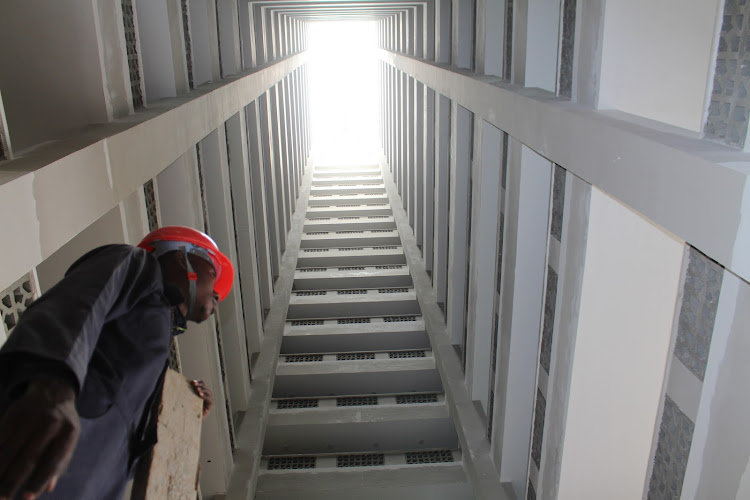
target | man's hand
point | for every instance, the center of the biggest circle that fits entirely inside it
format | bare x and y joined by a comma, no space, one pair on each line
205,394
38,434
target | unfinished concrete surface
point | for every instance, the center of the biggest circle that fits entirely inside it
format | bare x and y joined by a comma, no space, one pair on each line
536,288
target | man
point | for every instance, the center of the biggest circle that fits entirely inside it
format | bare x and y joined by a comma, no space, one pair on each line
81,375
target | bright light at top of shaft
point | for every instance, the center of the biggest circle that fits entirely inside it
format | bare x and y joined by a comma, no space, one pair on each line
344,91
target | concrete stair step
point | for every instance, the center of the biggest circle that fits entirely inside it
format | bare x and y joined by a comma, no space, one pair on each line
395,479
351,256
348,189
352,302
307,376
348,210
345,198
360,428
317,278
350,238
355,334
348,223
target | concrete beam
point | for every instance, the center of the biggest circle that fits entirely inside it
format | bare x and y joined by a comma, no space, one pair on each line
653,168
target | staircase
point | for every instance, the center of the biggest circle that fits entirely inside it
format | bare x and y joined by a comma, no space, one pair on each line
358,409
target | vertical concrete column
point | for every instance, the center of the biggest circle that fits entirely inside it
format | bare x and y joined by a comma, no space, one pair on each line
244,221
462,50
542,44
275,125
247,35
257,16
429,38
401,32
399,130
272,31
155,36
443,31
419,25
459,222
442,193
289,110
268,34
409,171
409,31
229,36
113,56
428,177
221,225
490,36
261,210
525,250
269,169
205,41
486,189
614,286
285,193
418,200
180,204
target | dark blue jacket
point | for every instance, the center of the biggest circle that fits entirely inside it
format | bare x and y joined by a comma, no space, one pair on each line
106,328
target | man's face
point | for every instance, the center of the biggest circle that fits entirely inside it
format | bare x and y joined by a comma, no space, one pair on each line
206,300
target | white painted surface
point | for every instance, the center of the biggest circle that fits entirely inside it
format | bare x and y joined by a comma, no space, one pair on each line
51,74
630,286
658,58
543,32
727,446
725,314
484,261
531,254
156,49
107,229
200,39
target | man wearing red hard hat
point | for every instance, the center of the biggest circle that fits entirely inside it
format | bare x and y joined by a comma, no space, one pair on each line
81,375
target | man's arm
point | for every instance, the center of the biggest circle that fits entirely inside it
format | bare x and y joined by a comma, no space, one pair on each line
44,363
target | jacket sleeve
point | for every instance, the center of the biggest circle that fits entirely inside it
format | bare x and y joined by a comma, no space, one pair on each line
58,333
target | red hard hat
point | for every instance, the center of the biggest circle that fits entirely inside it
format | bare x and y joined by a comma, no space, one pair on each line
196,242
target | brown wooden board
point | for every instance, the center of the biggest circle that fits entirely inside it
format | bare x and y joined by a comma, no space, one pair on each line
171,470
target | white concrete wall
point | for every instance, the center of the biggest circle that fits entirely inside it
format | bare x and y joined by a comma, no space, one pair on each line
50,71
530,182
658,59
105,230
630,287
718,466
156,49
543,33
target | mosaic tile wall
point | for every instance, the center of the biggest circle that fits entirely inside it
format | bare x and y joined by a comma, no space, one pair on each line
550,301
729,109
700,301
152,212
558,202
672,452
188,44
498,284
698,312
540,408
567,44
557,208
15,299
128,18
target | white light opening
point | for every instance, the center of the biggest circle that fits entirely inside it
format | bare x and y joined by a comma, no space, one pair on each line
344,92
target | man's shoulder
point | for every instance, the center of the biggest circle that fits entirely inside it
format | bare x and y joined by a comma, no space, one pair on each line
111,252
